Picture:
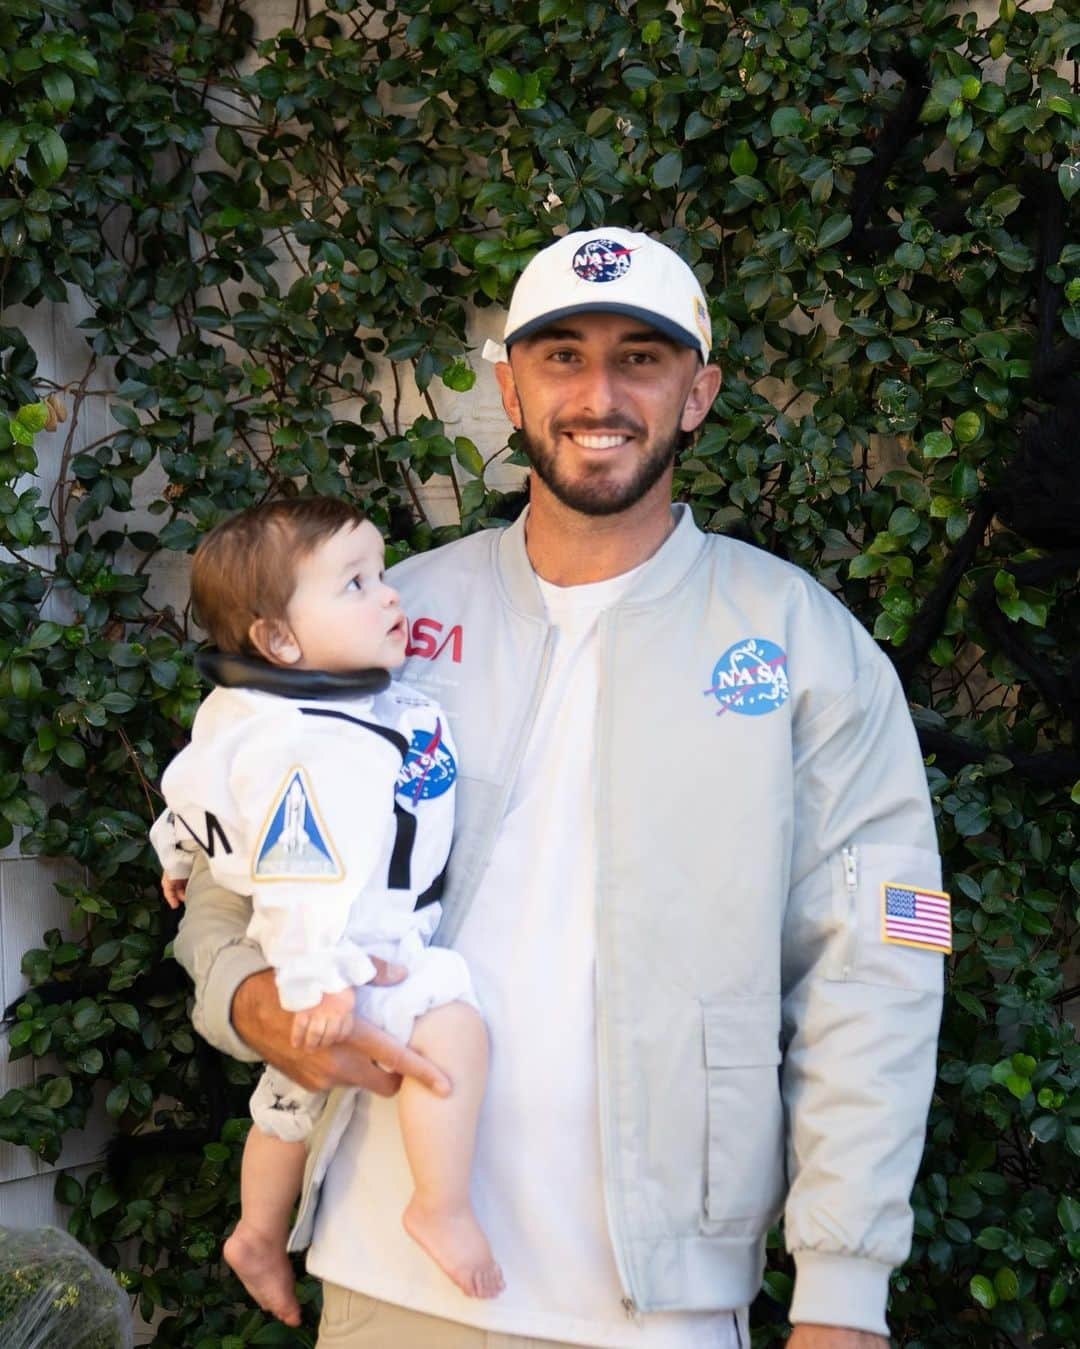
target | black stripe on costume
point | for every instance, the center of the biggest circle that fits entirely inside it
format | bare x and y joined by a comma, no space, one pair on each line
400,872
394,737
433,893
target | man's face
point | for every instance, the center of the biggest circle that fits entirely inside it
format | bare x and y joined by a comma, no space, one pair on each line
602,402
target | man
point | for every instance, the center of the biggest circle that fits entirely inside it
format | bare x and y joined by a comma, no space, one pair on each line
694,844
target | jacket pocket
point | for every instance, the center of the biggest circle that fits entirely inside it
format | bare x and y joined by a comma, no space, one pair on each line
745,1166
860,874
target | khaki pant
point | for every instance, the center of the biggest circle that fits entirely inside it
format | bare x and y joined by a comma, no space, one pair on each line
353,1321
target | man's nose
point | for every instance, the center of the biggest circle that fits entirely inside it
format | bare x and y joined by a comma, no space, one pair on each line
600,391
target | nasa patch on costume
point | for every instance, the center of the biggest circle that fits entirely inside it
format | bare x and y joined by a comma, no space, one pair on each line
429,768
911,916
750,678
294,840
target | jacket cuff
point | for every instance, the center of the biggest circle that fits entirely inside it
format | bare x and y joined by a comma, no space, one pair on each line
212,1013
840,1290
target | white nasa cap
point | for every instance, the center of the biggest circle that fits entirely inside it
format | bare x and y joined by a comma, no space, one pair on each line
608,271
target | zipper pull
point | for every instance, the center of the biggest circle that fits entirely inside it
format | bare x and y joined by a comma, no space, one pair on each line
851,867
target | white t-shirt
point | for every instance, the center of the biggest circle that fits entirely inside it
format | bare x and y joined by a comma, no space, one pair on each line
530,942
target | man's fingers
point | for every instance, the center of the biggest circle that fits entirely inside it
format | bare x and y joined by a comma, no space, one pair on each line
407,1062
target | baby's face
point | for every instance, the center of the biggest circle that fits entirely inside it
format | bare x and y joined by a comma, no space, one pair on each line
342,613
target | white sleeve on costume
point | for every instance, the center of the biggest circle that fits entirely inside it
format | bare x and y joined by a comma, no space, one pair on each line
316,823
175,848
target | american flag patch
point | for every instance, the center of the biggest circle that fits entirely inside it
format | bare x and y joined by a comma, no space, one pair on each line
913,917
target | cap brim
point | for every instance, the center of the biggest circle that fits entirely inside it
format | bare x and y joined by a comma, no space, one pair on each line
675,331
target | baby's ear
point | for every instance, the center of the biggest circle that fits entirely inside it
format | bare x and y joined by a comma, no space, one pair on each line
274,641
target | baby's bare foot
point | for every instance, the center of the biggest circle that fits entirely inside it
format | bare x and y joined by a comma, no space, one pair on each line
263,1268
456,1242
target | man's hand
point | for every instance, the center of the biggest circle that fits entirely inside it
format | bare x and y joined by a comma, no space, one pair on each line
260,1020
807,1336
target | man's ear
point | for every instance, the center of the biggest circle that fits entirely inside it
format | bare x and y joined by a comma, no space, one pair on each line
704,389
273,639
508,389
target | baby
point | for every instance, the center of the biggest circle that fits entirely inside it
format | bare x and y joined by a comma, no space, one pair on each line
326,792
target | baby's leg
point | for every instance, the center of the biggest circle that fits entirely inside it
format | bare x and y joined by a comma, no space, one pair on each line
439,1133
270,1178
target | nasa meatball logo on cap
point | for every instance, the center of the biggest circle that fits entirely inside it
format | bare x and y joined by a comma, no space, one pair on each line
602,260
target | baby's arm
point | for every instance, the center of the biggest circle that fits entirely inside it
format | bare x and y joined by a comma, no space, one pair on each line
176,851
174,888
330,1021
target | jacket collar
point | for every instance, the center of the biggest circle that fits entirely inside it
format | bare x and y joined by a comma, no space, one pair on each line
663,572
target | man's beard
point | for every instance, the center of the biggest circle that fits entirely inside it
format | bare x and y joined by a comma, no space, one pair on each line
593,493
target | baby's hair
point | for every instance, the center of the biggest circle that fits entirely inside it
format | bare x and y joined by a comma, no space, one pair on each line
245,568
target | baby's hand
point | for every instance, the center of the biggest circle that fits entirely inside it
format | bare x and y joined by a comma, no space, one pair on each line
174,888
327,1023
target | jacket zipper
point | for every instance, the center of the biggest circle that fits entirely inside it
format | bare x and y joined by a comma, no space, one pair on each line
608,1147
850,858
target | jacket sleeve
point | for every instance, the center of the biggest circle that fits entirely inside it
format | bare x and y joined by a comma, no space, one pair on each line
213,946
860,1013
317,825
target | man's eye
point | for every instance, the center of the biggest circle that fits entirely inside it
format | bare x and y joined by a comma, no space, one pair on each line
563,357
640,357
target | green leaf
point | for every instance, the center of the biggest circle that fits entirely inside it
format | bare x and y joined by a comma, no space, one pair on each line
103,1199
12,144
459,376
505,82
468,456
116,1102
57,1092
982,1290
32,417
910,256
1069,178
668,169
229,145
72,753
835,228
59,89
1006,1284
47,158
124,1014
743,161
786,122
937,444
697,125
601,120
968,427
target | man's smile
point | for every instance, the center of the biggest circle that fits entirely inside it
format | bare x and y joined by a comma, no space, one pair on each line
592,440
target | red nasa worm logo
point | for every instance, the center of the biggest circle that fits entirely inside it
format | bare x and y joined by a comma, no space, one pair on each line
427,641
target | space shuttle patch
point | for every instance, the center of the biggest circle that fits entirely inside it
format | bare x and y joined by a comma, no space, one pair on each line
294,841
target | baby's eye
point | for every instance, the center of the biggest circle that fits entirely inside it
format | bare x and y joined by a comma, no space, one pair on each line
355,584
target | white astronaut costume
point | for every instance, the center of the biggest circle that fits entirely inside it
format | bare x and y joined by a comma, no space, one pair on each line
335,815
